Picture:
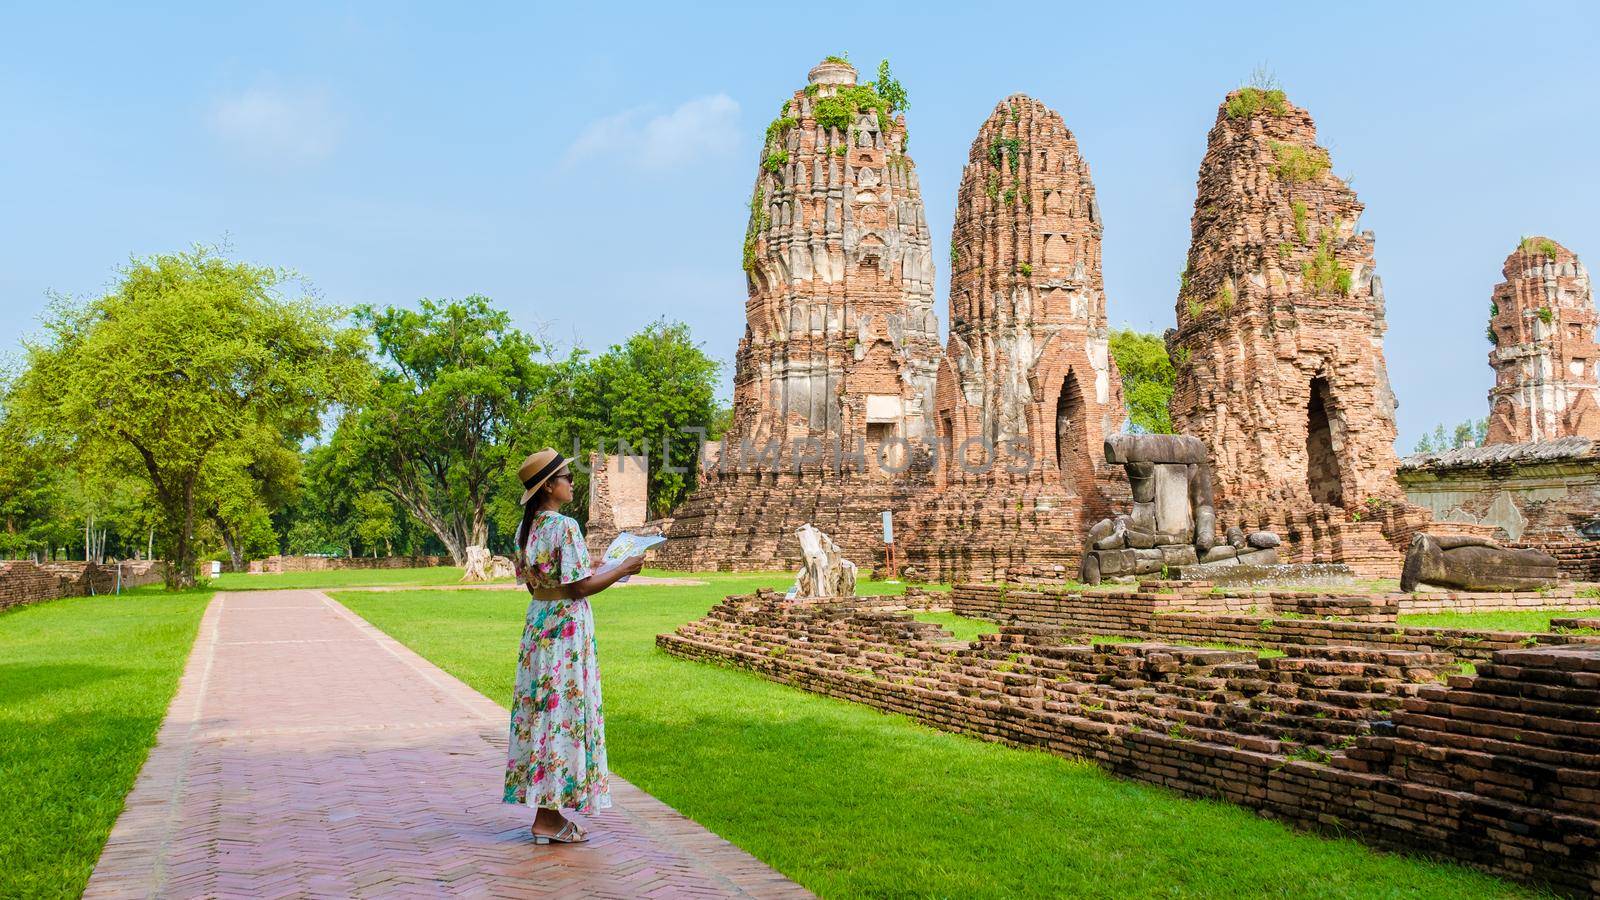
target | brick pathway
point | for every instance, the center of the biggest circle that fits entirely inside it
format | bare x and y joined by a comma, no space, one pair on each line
308,754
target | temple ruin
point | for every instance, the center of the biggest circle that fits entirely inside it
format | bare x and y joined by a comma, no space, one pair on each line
1027,390
1542,327
834,377
1279,344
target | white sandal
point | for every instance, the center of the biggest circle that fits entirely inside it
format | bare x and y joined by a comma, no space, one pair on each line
570,833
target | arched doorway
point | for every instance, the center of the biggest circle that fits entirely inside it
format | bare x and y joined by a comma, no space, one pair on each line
1322,463
1071,454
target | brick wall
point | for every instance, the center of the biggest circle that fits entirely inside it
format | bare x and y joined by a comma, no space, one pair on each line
278,564
1496,770
23,582
1277,620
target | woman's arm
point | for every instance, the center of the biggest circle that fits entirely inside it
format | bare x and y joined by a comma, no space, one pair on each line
594,584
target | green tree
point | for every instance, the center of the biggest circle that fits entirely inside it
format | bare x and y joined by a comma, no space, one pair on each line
375,522
243,485
1471,433
1147,379
654,392
439,432
190,355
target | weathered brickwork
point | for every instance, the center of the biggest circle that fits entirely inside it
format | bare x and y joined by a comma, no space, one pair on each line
840,347
1543,495
1497,770
23,582
1279,344
1027,370
1542,327
619,498
1278,620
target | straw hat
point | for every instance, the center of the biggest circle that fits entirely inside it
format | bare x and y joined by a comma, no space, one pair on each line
537,469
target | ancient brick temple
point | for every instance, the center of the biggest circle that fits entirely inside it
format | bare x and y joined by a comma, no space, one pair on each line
1279,344
1027,390
836,368
1542,325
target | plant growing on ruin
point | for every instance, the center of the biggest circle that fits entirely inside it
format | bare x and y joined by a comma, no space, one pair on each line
1542,245
1301,230
1322,271
955,254
1248,101
1285,250
993,187
890,88
1224,298
1196,309
1001,147
1494,309
758,222
841,109
1011,196
1183,281
781,125
1490,334
837,58
775,161
1546,315
1296,164
1025,268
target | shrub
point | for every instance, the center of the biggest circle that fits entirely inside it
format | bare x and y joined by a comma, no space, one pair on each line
1546,315
1301,230
1297,164
1250,100
775,161
1025,268
1196,309
1323,272
890,88
1542,245
1224,298
758,221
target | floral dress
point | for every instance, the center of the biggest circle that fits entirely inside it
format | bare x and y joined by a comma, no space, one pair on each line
557,753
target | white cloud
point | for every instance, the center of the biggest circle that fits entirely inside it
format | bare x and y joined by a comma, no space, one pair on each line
697,129
279,126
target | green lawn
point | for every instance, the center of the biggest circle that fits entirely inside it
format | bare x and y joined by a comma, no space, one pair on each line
1518,620
963,627
428,577
852,802
84,684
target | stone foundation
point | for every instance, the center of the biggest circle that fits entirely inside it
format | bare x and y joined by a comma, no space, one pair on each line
1496,770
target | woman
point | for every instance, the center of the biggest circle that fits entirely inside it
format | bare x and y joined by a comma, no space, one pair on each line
558,742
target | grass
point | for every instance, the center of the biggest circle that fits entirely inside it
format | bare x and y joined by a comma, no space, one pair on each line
338,578
84,684
851,802
963,627
1516,620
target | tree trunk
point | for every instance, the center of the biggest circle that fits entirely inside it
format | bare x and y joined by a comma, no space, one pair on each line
180,522
231,541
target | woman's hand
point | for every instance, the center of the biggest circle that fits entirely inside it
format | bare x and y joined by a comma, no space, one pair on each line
632,564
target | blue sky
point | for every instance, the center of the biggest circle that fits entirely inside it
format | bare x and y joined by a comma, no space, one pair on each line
590,170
